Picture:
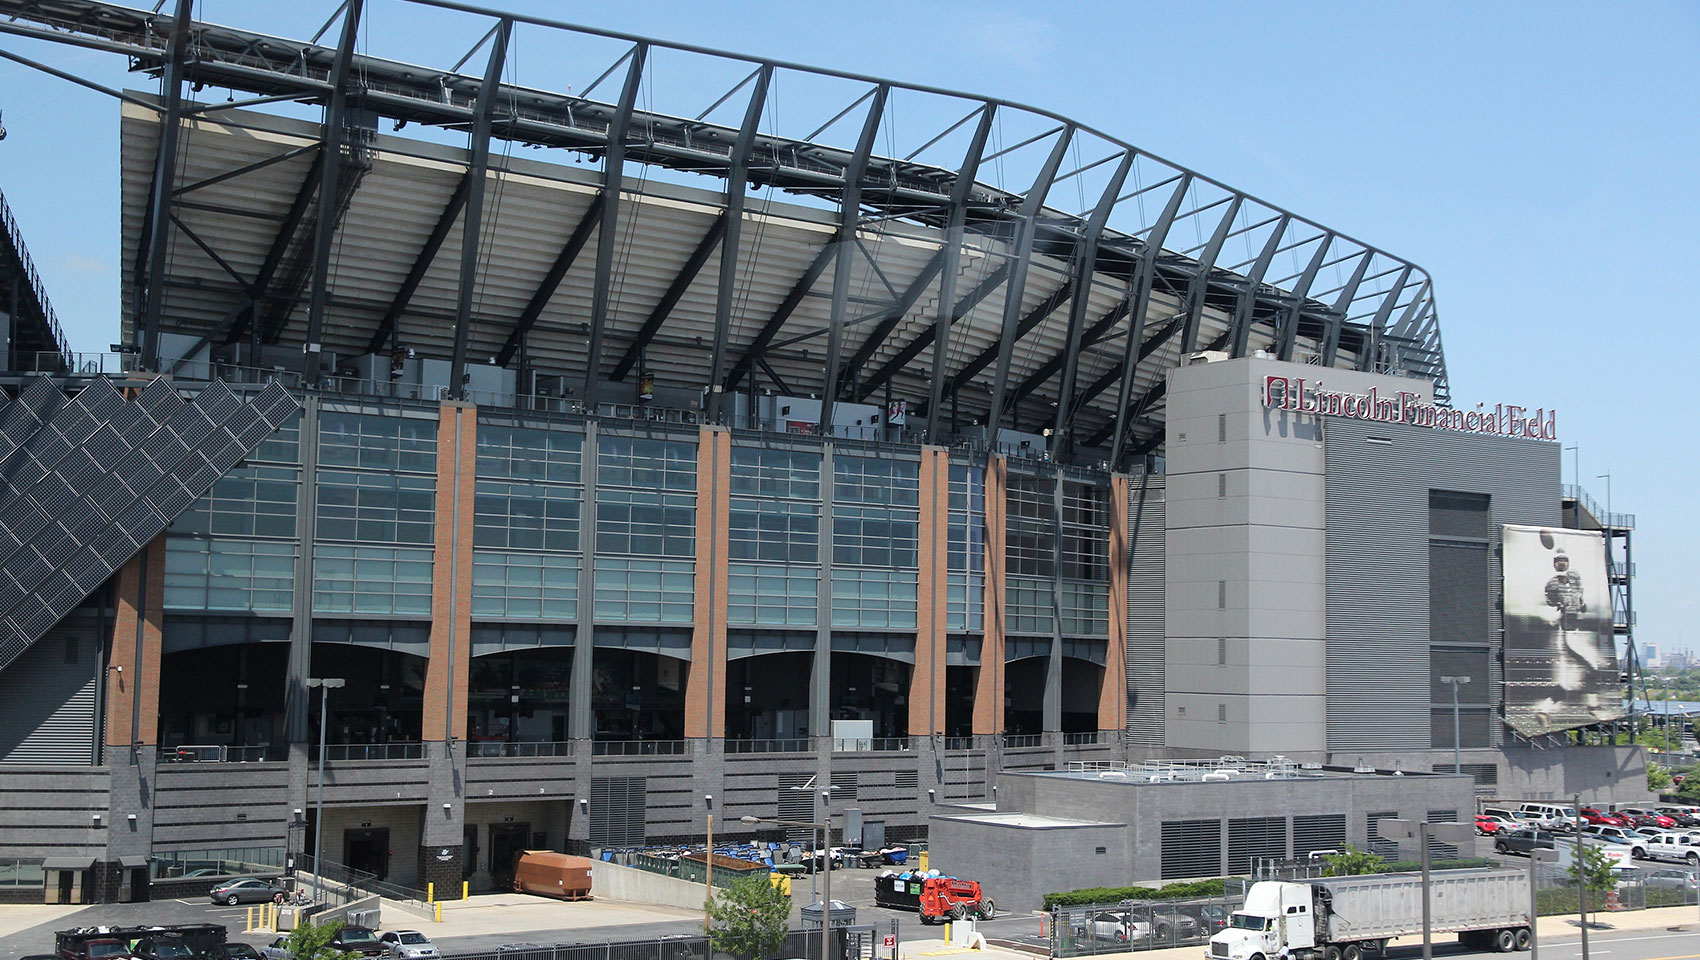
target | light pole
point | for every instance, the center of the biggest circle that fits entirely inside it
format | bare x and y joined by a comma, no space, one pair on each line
1456,683
1576,449
1581,871
326,685
825,828
1422,832
707,916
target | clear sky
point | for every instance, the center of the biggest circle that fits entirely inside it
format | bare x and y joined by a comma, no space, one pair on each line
1539,160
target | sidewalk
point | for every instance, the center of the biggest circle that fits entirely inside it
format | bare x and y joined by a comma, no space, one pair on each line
18,917
515,913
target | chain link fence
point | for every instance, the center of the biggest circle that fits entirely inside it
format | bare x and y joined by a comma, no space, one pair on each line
1082,931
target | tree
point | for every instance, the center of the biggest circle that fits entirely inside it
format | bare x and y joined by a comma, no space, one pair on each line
1592,868
1689,791
1658,778
749,918
312,941
1352,861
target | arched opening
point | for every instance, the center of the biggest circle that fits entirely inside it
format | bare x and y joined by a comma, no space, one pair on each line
767,696
518,697
1024,695
229,696
382,699
1081,682
638,695
959,684
868,687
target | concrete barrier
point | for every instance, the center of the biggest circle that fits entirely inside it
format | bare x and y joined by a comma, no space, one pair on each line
610,881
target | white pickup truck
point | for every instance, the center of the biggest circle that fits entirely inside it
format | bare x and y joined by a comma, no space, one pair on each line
1673,847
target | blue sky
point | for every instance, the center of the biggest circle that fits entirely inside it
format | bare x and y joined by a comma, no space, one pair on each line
1538,160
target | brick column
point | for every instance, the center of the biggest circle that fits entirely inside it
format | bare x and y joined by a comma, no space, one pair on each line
1112,697
926,684
988,692
705,681
132,692
451,575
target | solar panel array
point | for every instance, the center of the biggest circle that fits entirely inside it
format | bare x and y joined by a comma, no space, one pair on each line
86,481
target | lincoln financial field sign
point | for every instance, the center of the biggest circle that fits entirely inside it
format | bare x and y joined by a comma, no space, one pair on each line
1504,420
1560,660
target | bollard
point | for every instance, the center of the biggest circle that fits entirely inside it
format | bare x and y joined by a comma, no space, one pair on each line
430,893
249,928
464,887
439,907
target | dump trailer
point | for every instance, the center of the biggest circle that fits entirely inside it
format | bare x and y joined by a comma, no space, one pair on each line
1345,918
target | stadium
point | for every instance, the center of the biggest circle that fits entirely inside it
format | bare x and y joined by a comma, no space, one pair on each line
719,459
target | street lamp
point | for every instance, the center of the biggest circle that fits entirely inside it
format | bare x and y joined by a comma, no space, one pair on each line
825,828
1456,683
707,915
327,684
1423,832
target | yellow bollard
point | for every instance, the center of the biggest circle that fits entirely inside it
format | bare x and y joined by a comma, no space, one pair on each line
249,928
439,913
430,893
465,887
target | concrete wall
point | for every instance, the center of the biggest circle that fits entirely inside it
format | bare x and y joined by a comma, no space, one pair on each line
1017,865
610,881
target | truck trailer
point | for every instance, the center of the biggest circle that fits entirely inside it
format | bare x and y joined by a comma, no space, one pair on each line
1345,918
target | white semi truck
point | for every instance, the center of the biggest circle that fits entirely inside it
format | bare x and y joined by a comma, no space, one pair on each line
1345,918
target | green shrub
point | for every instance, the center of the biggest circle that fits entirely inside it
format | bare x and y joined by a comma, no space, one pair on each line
1188,890
1558,901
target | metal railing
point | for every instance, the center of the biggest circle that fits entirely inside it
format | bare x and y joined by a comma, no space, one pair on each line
1619,521
335,752
791,745
1082,739
961,743
870,744
347,884
221,753
798,943
1012,740
639,748
49,318
519,748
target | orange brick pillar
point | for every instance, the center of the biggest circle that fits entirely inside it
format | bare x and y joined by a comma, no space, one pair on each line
451,575
132,693
926,684
1112,697
705,681
988,691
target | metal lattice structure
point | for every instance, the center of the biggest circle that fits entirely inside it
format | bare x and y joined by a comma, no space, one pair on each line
955,272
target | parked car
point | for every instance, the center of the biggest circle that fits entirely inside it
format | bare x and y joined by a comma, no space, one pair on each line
1211,917
1597,818
1678,880
1553,816
232,950
1645,817
1673,847
408,944
162,948
361,940
1169,923
1628,836
1522,841
1487,825
276,950
1114,926
1684,816
243,890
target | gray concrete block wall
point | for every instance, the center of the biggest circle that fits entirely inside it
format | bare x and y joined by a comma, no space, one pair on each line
50,812
1017,866
202,806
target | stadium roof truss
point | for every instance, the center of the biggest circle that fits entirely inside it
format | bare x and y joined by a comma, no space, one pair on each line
1012,264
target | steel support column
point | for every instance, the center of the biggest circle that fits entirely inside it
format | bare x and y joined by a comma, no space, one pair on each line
613,175
947,315
1290,323
331,151
988,356
164,184
552,280
1086,261
1378,325
472,225
850,214
731,245
1200,285
900,307
1247,305
1031,204
386,333
913,348
1343,306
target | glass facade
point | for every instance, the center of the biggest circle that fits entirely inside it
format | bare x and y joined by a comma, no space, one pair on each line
375,514
528,511
773,572
645,530
966,587
875,529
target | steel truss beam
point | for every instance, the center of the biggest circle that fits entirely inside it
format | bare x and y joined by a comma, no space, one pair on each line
1144,278
1378,325
913,348
1289,329
281,241
613,176
737,177
385,335
1337,316
1200,284
953,233
990,355
552,280
889,319
850,212
793,299
472,225
670,299
1253,283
